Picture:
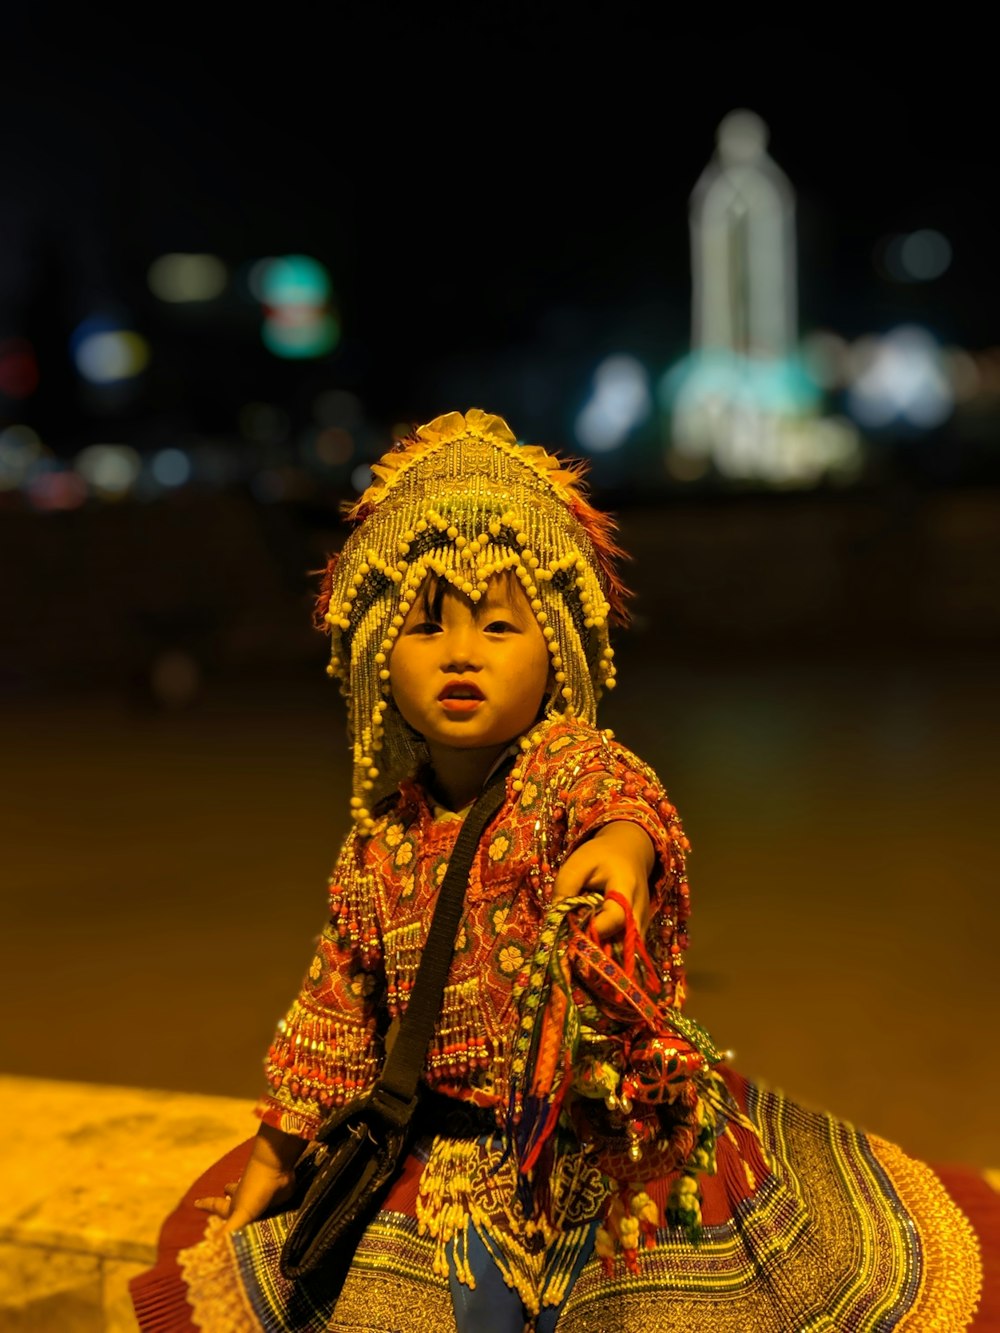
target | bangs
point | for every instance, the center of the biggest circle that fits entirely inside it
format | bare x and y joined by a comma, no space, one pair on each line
433,589
431,599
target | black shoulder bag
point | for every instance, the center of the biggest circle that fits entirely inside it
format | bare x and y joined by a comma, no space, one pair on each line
360,1146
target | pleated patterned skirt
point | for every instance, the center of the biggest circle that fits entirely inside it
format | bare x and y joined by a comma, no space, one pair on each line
808,1224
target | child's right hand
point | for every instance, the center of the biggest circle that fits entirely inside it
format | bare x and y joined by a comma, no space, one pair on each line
257,1192
618,857
267,1182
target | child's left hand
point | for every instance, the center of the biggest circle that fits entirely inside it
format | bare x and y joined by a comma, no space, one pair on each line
618,858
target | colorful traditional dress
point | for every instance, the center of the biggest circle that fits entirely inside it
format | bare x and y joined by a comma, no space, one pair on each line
757,1214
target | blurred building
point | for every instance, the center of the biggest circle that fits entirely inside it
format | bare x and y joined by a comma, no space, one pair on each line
743,403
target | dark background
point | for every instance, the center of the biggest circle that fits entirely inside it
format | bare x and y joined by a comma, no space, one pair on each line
501,201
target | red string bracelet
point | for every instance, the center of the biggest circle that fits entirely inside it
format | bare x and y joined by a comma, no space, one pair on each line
633,943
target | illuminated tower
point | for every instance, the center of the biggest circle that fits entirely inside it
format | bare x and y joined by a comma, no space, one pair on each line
743,247
743,403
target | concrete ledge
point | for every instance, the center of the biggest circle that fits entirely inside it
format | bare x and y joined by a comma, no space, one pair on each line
89,1174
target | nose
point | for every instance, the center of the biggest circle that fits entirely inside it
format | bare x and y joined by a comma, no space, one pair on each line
461,651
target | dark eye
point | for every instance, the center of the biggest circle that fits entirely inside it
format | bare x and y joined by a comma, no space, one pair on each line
500,627
425,627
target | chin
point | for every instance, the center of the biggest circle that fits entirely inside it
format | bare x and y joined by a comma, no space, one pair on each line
467,739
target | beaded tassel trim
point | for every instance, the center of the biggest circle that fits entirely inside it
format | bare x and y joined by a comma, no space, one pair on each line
474,1184
317,1061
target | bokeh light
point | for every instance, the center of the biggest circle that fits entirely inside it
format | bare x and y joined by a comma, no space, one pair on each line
361,477
18,368
20,450
824,354
298,333
334,446
105,352
290,280
295,291
110,470
56,489
620,401
171,467
919,256
182,278
963,374
901,378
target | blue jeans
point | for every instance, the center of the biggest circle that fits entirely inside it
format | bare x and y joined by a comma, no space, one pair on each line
493,1307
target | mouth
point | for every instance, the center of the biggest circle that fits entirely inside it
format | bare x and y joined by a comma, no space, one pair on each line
461,696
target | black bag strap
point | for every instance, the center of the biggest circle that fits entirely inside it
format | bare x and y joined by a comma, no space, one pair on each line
394,1097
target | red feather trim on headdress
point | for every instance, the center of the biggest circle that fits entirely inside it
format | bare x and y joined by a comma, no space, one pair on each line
322,604
568,477
602,530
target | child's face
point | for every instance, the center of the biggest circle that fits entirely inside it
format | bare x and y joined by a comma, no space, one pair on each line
474,675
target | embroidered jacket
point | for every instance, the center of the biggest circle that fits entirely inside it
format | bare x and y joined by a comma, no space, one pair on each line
570,781
795,1219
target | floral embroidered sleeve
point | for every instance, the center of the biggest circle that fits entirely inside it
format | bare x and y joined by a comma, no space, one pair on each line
326,1050
603,783
599,1037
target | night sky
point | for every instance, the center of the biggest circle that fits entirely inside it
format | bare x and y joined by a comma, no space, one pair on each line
499,201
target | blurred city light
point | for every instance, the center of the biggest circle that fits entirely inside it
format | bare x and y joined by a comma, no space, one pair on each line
749,431
56,489
963,374
752,401
104,352
298,333
18,368
901,378
110,470
988,366
824,356
295,291
751,419
621,400
171,467
361,477
291,280
178,278
20,450
333,447
919,256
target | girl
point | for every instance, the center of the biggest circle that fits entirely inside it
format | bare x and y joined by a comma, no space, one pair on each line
588,1161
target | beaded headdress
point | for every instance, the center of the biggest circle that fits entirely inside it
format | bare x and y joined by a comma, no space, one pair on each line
460,499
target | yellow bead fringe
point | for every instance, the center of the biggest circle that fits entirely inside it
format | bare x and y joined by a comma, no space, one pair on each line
469,1184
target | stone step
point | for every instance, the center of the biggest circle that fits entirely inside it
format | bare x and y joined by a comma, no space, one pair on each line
89,1173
